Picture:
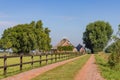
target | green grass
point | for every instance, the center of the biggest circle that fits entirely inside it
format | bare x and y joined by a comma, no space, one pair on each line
64,72
15,70
106,72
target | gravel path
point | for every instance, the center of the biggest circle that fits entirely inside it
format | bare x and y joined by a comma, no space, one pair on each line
35,72
89,71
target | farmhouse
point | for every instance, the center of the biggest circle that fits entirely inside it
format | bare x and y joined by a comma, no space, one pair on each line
63,43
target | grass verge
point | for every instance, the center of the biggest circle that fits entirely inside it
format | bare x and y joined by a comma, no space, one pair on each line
64,72
15,70
105,70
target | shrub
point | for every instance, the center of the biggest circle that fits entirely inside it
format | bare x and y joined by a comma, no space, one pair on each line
114,58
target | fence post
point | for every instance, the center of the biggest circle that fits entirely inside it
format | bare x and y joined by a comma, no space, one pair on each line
46,58
63,55
5,64
68,55
40,59
21,56
55,57
59,56
51,57
32,60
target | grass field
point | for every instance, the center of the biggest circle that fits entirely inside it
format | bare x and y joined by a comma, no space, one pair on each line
106,72
15,70
64,72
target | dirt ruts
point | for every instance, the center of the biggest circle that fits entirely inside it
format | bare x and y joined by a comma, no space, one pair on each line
89,71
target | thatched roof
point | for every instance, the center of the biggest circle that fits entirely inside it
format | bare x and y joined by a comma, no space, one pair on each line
63,42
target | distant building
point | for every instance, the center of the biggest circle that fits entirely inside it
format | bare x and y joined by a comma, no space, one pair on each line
66,42
75,50
80,48
63,42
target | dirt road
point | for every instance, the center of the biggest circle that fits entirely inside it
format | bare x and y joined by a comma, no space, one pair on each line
89,71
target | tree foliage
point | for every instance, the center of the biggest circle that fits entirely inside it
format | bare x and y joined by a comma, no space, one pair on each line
65,48
110,48
97,35
114,58
23,38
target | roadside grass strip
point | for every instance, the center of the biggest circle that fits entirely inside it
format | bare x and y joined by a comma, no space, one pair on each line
64,72
105,70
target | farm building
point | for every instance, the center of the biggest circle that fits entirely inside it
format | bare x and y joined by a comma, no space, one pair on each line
80,48
63,43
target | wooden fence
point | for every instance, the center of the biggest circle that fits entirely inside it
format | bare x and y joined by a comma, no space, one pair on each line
53,56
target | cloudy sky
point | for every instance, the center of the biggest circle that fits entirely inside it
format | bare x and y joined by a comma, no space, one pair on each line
65,18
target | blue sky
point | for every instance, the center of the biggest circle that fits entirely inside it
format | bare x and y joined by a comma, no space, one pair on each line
65,18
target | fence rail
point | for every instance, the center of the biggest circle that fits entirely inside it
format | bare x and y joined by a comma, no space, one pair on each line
52,56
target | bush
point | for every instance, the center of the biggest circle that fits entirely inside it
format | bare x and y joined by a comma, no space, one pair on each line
114,58
65,48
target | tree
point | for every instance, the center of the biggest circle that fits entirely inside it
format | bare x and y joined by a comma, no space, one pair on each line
97,35
23,38
39,25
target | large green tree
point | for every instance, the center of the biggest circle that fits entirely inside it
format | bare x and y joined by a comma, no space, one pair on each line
97,35
23,38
